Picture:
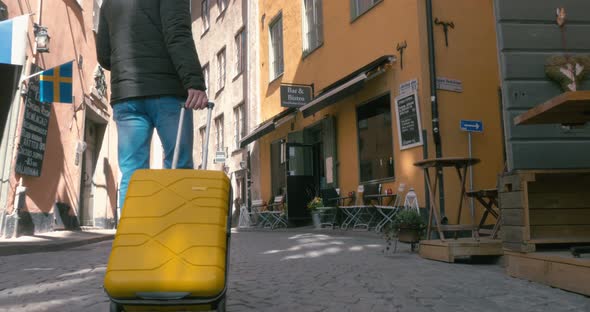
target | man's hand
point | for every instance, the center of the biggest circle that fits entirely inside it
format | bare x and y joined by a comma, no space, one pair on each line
197,99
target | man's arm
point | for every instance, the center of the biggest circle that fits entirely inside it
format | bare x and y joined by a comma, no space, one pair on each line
103,42
176,25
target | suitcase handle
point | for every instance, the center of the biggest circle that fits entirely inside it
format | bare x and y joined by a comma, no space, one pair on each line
205,146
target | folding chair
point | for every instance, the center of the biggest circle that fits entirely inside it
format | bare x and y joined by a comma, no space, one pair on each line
276,212
360,214
389,211
328,213
257,214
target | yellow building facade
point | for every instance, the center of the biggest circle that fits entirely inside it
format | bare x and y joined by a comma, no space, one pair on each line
354,63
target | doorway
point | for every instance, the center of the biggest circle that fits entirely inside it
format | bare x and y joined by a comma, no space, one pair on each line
9,76
301,186
314,137
93,135
88,166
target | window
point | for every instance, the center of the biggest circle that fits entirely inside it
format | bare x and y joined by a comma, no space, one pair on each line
201,142
240,50
312,25
219,133
221,70
205,15
375,140
96,14
239,125
206,76
358,7
276,47
222,4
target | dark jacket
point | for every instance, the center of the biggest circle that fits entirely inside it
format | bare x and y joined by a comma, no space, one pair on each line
148,47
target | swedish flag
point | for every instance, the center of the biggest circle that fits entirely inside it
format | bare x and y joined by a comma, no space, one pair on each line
56,84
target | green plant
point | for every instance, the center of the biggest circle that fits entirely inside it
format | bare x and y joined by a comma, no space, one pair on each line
405,219
315,203
408,218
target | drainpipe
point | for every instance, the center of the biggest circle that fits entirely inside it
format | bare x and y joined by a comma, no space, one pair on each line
434,105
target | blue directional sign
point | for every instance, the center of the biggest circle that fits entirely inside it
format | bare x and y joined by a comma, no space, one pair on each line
472,125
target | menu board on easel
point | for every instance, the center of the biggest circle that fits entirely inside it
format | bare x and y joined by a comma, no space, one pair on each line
409,128
33,138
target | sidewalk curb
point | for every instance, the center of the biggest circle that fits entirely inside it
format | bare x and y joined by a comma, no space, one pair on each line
29,248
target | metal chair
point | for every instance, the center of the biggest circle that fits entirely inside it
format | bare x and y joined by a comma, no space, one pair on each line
389,211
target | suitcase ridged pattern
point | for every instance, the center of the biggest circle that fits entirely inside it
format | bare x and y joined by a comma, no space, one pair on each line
172,235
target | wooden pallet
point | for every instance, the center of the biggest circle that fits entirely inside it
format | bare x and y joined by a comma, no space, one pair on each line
544,207
554,268
451,249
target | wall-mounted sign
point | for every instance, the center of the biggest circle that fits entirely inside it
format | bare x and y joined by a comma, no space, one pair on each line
409,127
408,87
295,95
448,84
472,125
31,149
219,157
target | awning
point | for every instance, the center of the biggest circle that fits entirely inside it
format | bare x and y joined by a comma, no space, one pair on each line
257,133
266,127
345,86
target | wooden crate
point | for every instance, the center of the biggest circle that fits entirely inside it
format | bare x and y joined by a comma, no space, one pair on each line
544,207
554,268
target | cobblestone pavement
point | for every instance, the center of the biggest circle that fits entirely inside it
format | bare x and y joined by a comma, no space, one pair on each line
295,270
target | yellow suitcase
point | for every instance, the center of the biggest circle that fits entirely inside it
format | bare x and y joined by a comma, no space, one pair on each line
171,249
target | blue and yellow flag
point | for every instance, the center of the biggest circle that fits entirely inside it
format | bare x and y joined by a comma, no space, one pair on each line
56,84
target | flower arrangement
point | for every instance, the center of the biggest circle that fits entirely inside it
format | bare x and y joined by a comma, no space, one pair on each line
315,203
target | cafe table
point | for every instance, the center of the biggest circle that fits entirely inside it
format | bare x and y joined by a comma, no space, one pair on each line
461,164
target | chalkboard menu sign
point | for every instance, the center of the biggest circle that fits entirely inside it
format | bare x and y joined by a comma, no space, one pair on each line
408,121
31,150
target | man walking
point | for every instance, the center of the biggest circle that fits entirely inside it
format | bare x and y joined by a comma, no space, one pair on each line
148,47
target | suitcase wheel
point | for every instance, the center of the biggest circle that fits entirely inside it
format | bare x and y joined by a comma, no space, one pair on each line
221,305
116,307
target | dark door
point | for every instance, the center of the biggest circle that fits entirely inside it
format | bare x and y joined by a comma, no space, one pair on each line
301,186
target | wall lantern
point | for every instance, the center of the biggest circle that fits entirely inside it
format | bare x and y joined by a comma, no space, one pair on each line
42,38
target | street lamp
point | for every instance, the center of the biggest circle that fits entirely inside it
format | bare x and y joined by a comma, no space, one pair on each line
42,38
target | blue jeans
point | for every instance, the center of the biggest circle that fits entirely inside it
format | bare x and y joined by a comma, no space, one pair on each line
136,120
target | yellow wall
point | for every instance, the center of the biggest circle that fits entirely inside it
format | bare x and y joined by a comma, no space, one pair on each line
349,46
471,57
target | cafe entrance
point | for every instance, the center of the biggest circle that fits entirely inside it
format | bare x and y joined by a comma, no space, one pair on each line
310,158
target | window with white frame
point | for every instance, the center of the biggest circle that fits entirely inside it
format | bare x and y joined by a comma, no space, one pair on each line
313,26
206,76
239,125
205,15
240,51
359,7
201,142
222,4
219,146
221,70
276,47
97,4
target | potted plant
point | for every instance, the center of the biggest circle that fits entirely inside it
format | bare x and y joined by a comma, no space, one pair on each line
315,215
408,226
